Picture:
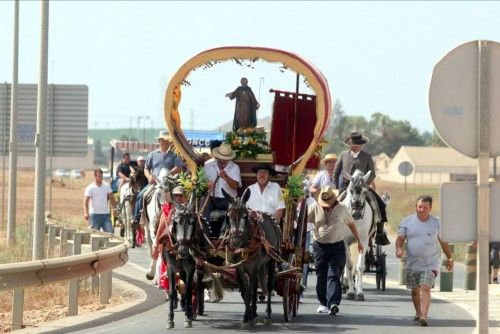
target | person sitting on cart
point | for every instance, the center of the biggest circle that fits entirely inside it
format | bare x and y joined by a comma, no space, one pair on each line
222,173
355,158
325,177
265,195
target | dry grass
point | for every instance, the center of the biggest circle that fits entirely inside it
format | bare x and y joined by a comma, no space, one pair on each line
403,203
48,302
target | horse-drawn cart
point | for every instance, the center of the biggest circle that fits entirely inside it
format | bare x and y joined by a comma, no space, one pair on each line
298,123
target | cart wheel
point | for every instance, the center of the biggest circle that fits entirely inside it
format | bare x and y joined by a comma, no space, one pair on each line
288,301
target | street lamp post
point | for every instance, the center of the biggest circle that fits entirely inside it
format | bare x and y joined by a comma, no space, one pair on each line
144,118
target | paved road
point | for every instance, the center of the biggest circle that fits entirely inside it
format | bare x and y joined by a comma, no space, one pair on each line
382,312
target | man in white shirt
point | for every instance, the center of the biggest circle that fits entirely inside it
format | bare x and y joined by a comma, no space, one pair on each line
265,195
222,173
95,203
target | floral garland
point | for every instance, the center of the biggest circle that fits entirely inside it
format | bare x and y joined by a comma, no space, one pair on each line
247,143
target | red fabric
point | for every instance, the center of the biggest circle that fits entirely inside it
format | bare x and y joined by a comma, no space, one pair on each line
139,236
165,208
282,131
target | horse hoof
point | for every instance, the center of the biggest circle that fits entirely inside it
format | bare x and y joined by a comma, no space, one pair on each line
244,325
170,324
350,296
150,276
359,297
188,324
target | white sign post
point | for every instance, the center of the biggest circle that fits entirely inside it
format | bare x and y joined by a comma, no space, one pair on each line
405,168
465,109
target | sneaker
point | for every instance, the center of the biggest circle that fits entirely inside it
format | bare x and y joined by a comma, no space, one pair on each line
334,309
495,280
322,309
423,322
416,320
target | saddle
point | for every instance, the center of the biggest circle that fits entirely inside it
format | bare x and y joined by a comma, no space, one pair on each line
148,195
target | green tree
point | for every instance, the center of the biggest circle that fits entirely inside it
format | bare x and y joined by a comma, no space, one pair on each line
433,139
387,135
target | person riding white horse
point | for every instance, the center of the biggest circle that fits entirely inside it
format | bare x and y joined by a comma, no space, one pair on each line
357,159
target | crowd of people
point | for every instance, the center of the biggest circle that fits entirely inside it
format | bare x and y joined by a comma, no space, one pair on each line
326,219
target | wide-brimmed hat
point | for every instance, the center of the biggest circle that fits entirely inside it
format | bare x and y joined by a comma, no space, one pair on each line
264,166
141,158
327,196
164,135
224,152
179,190
356,138
329,157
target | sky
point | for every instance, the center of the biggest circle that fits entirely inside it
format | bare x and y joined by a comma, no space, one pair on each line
376,56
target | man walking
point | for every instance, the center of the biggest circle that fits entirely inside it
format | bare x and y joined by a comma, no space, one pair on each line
421,233
95,203
330,218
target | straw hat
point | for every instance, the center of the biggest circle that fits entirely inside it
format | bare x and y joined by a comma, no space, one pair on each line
179,190
329,157
327,196
356,138
224,152
164,135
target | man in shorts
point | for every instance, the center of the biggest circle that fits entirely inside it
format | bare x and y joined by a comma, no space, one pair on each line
421,233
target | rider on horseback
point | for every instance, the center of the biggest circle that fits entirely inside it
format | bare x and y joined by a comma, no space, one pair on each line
348,162
161,158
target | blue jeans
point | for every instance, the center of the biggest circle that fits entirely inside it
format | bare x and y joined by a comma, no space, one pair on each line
305,271
329,260
138,203
101,220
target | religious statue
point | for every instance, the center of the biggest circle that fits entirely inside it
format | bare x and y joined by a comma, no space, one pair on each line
245,111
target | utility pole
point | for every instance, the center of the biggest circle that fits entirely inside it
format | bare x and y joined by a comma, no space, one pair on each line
40,140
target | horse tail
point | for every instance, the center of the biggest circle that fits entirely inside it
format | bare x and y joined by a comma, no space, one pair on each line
217,289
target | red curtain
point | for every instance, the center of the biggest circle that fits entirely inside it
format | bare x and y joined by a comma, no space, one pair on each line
293,127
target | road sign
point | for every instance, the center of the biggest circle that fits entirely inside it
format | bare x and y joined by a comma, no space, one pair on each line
459,211
405,168
454,98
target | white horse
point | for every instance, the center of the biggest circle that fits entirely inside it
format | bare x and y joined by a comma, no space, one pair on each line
362,213
126,214
164,185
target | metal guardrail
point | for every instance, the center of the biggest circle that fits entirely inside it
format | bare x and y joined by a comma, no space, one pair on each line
102,252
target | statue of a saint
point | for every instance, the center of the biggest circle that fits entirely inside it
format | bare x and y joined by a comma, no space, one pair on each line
245,111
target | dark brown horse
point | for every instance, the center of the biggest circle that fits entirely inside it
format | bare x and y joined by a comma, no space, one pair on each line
254,240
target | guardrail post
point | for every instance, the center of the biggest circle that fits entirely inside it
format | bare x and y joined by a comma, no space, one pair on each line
446,280
105,287
97,243
66,234
470,266
74,285
17,309
54,231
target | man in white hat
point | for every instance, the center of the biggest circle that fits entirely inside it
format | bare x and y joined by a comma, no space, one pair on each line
325,177
330,218
161,158
356,158
222,173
